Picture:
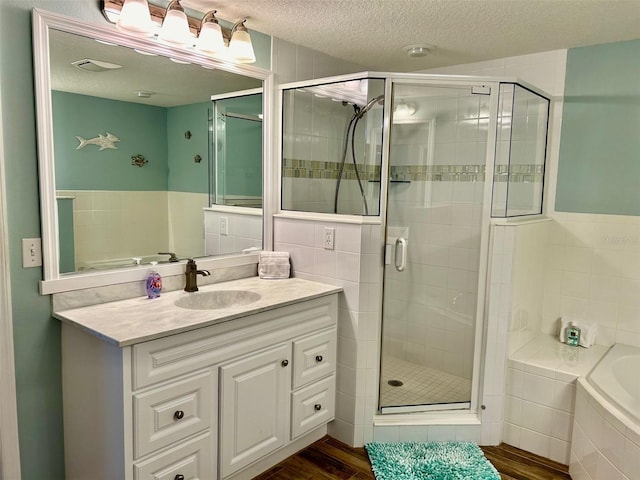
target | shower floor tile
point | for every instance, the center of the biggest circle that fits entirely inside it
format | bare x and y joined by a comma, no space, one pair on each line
420,385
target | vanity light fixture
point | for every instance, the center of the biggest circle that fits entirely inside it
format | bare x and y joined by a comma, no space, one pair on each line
135,18
175,28
240,46
210,39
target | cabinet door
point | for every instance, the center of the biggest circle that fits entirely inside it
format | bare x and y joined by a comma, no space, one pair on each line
254,401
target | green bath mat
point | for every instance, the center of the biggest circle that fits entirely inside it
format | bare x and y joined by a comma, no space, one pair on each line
430,461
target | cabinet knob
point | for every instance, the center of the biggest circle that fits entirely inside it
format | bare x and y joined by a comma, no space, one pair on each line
317,407
179,477
179,415
284,362
319,358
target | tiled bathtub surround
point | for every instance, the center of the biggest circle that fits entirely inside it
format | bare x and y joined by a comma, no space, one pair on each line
605,446
540,395
593,273
125,224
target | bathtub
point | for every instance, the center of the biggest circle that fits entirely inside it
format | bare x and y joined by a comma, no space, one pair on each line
606,428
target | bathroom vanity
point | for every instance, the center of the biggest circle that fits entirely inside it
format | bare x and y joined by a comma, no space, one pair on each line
219,389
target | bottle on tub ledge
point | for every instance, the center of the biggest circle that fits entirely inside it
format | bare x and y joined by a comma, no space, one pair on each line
154,282
573,335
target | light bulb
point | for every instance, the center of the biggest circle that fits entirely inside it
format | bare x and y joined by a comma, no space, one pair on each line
240,47
210,38
135,18
175,27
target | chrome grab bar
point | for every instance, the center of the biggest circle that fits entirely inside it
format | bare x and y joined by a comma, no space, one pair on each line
401,247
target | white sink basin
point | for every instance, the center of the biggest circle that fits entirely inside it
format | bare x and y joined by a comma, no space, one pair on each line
217,299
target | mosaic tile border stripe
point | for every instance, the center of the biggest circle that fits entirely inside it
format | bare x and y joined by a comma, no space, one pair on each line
533,173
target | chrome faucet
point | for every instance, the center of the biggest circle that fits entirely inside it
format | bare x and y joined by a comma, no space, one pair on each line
192,272
172,256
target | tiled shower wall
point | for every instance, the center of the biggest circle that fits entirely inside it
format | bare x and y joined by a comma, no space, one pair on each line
430,307
314,133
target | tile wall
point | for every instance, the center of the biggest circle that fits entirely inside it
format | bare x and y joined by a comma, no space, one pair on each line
354,265
242,231
593,273
359,329
124,224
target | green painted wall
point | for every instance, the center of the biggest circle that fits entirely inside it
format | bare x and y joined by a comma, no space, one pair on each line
142,129
36,334
243,138
65,233
185,175
599,166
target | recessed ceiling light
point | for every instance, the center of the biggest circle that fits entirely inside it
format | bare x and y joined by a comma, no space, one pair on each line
417,50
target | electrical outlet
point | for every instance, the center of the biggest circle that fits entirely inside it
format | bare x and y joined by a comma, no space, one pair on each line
31,252
224,226
329,237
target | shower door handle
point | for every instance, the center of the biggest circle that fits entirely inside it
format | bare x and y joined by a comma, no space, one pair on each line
401,254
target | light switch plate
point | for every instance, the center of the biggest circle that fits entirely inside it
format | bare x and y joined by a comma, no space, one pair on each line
224,226
31,252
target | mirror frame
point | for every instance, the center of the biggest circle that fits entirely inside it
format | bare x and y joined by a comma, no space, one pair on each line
53,281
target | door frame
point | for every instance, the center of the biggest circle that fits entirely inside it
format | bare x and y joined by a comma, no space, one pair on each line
445,81
9,444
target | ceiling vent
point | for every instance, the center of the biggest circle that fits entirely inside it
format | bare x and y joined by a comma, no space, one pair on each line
91,65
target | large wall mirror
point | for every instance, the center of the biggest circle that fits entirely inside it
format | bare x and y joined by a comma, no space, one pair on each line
127,143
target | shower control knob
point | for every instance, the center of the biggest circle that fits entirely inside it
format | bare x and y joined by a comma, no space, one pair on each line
284,363
178,415
317,407
319,358
179,477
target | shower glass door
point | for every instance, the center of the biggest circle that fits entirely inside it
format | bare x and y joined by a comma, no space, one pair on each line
436,194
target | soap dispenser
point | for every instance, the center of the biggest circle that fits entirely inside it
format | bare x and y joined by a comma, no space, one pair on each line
573,335
154,282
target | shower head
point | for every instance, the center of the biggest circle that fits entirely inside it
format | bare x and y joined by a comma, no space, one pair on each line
379,100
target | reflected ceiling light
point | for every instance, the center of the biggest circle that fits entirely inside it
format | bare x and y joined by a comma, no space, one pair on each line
240,46
405,109
179,30
135,18
210,39
175,26
92,65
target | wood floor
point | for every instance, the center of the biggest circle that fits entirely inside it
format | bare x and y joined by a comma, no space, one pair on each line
329,459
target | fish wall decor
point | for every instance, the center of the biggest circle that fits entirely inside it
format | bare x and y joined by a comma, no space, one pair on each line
103,141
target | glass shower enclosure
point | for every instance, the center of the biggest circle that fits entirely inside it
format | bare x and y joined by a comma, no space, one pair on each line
434,157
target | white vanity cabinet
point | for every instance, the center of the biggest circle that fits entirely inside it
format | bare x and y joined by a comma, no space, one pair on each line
202,404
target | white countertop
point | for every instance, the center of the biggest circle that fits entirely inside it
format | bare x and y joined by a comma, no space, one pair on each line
136,320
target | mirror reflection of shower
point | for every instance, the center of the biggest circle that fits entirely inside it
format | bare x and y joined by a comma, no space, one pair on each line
358,113
332,151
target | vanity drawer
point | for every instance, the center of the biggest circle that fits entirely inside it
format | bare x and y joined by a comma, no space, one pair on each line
172,412
314,357
192,460
313,406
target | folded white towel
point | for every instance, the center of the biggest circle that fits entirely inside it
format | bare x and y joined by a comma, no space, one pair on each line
274,265
588,330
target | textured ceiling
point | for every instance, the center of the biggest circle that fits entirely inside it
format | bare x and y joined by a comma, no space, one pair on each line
371,33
